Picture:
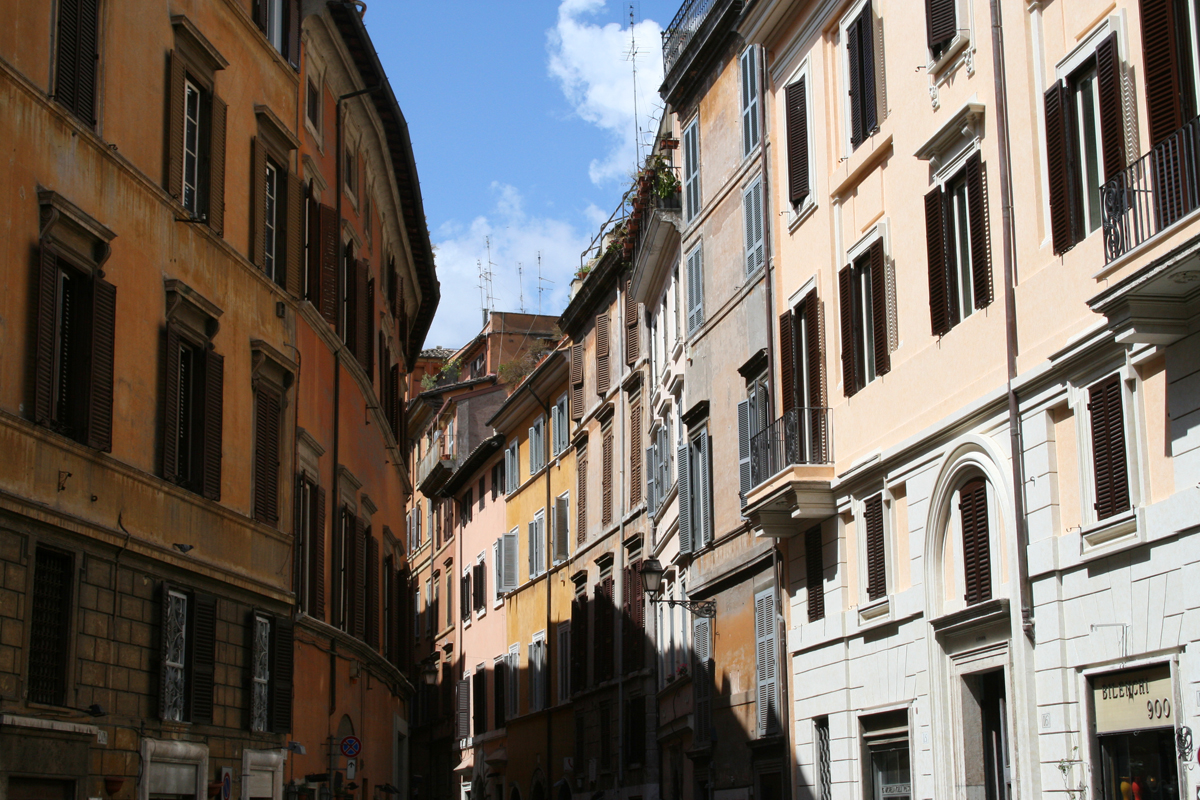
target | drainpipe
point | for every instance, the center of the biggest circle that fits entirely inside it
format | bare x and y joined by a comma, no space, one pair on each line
1010,321
766,216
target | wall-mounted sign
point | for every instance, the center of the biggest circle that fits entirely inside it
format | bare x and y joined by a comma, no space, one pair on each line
1134,699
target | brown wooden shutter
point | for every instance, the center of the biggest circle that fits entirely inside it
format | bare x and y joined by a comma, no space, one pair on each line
579,643
369,325
632,340
787,362
170,445
977,563
361,317
815,573
283,634
635,453
796,99
935,245
216,167
260,14
603,341
876,564
176,77
312,265
214,408
1161,71
606,487
854,37
266,456
100,383
293,44
977,208
577,382
373,591
329,264
397,402
940,23
1056,166
316,580
814,335
295,235
626,619
1112,126
1108,448
879,308
581,497
47,330
637,648
258,201
203,635
849,349
337,608
360,583
75,66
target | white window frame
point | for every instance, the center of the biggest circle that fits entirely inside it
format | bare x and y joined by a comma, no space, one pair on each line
274,18
692,201
192,154
159,751
512,467
271,186
565,497
481,560
537,445
497,570
560,426
1135,445
537,544
750,92
467,576
796,214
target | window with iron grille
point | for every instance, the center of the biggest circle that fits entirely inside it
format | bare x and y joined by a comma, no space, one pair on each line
49,633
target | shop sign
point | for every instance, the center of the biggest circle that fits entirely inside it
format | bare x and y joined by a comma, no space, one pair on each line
1134,699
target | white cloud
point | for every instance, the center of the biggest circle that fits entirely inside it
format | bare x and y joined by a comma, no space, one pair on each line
515,237
591,64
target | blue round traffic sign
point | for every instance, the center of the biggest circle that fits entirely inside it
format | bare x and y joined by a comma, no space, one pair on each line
351,746
227,785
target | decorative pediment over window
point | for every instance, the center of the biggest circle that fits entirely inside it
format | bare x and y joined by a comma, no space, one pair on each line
196,46
73,230
270,367
273,127
189,309
962,128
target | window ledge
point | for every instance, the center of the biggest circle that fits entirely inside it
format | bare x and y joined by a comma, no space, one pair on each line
869,153
876,612
798,216
1112,535
960,40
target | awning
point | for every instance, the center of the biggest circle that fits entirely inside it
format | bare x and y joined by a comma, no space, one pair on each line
496,758
467,766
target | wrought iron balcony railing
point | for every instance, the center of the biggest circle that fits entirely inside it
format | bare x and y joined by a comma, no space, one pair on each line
800,436
681,30
1152,193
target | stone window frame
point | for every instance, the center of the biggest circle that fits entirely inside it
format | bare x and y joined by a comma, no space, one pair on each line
272,370
74,622
173,752
268,760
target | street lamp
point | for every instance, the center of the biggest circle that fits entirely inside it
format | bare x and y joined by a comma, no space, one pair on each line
652,573
429,671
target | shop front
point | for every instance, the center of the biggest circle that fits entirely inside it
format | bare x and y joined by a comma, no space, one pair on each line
1134,712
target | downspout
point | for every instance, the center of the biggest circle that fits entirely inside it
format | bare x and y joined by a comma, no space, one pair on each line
766,220
1010,321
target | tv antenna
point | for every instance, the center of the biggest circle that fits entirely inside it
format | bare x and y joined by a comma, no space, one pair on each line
521,285
541,280
631,56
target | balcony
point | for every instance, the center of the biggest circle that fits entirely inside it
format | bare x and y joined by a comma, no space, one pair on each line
1153,193
790,473
692,39
434,468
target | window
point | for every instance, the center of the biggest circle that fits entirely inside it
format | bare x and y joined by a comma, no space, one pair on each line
560,426
605,714
537,672
799,157
195,126
512,467
310,534
941,26
861,76
579,638
691,170
498,477
824,761
465,593
1110,469
875,547
564,661
350,172
754,416
276,202
417,612
562,527
749,100
193,406
270,667
695,290
313,104
512,672
633,338
479,585
349,565
507,577
635,731
658,468
577,382
430,607
752,215
702,678
76,59
695,493
462,711
603,352
280,21
482,492
633,612
537,446
864,312
802,377
1085,135
450,597
885,751
635,451
581,473
606,476
537,544
814,566
467,510
270,220
976,541
499,684
604,644
766,658
73,362
49,631
956,230
267,408
479,691
188,644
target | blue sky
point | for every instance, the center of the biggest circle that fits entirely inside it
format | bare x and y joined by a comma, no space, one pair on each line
521,117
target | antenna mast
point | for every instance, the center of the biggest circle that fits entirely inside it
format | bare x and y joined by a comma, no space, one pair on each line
632,56
541,280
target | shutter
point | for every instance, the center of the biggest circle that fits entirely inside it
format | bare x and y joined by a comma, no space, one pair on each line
940,23
258,202
752,226
283,658
976,557
579,638
1161,70
47,330
66,84
1108,448
216,167
849,350
203,636
369,325
260,15
479,690
295,235
214,409
652,475
293,44
577,382
499,684
534,450
562,517
787,361
686,543
85,85
312,287
705,491
853,50
1057,148
879,308
316,583
796,99
608,612
170,450
266,456
373,592
1112,128
745,477
330,248
464,597
394,401
337,616
533,550
814,335
359,581
100,381
462,725
509,552
876,564
362,314
627,635
176,78
764,646
814,558
581,498
935,246
606,489
702,683
695,278
603,378
632,343
981,265
866,32
638,615
164,607
635,453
